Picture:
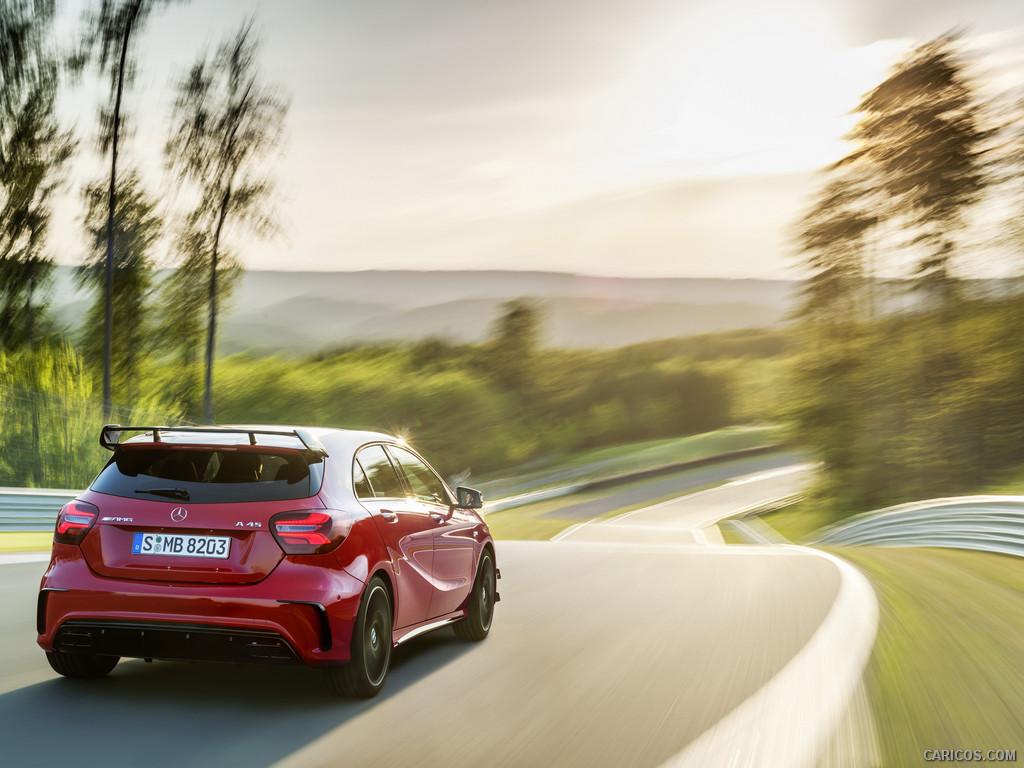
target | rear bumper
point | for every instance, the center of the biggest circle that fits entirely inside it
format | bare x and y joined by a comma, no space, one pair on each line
180,642
303,611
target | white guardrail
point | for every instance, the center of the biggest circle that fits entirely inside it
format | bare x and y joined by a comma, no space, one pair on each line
31,509
985,523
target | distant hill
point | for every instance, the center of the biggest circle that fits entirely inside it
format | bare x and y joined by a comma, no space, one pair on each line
301,312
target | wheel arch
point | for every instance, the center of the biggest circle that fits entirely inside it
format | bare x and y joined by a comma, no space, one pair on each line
389,585
487,547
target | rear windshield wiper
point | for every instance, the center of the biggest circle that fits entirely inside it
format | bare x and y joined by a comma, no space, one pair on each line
173,493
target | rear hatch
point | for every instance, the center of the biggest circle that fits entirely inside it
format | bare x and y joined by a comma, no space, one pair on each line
200,514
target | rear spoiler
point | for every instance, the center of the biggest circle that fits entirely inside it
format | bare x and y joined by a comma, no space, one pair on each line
110,437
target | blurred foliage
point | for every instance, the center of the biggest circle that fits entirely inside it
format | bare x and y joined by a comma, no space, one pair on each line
181,309
513,351
137,227
50,418
921,143
913,405
34,151
750,344
913,396
226,123
108,38
454,402
447,399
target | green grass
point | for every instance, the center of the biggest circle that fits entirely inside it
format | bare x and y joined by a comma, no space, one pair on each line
799,521
527,522
947,669
1012,484
729,536
628,457
20,541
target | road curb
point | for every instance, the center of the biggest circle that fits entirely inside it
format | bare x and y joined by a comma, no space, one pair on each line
816,689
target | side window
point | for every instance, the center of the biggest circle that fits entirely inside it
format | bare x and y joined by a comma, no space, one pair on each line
359,481
424,483
381,475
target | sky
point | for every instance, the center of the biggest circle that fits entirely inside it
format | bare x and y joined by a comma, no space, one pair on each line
613,137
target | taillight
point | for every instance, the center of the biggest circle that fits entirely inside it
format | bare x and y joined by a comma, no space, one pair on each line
309,532
74,521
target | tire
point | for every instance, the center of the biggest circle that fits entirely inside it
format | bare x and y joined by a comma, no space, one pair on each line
84,666
364,675
480,608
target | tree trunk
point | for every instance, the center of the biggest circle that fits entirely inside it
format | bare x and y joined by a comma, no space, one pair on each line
211,330
108,325
29,324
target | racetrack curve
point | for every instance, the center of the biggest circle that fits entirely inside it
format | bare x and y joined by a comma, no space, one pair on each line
601,654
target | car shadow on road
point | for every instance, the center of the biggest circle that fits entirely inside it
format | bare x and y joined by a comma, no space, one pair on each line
182,714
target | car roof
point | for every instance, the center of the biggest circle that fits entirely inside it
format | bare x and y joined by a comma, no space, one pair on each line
350,440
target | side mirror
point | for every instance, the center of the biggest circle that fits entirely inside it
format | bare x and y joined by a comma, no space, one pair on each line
469,498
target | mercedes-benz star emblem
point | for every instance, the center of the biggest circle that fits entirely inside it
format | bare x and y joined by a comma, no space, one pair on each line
178,514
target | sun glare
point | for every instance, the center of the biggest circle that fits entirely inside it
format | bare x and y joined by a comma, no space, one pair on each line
744,94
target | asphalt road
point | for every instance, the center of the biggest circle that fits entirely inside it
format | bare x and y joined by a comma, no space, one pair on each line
601,654
680,483
683,520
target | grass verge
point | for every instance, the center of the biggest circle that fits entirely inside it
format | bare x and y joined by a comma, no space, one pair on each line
1011,484
730,536
798,522
947,670
26,541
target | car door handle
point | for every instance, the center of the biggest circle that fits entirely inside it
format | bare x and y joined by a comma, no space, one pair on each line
389,516
437,517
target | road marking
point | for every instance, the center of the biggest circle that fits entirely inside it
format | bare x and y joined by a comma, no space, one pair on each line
562,534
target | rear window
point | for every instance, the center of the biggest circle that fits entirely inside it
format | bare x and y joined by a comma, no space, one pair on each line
208,476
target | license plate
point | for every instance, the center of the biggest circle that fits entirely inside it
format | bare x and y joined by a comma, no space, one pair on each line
181,545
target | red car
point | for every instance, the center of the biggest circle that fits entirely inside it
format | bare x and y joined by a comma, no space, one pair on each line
274,545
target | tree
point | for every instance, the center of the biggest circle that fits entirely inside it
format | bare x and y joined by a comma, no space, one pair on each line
514,344
110,33
23,28
920,135
833,237
226,123
33,152
182,320
884,397
137,227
